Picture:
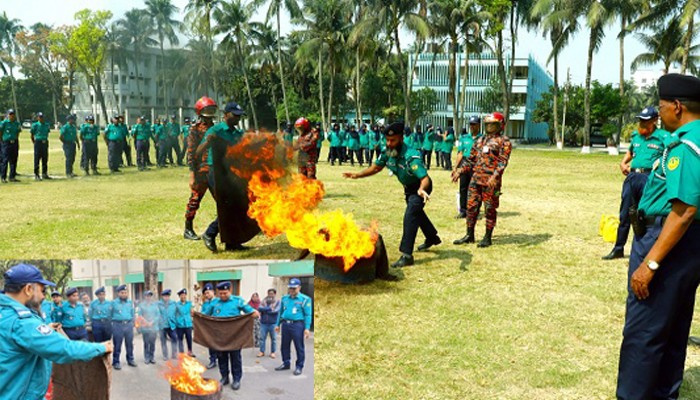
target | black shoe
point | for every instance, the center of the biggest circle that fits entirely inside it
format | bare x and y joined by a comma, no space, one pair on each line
614,254
403,261
694,340
486,241
236,385
211,365
132,364
235,247
224,381
37,178
210,242
87,173
153,361
468,238
94,172
429,243
117,366
14,180
45,176
297,371
189,231
461,215
283,367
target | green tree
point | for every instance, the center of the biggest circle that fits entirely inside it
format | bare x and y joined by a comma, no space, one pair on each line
161,13
198,17
135,30
275,10
666,45
56,271
8,51
423,102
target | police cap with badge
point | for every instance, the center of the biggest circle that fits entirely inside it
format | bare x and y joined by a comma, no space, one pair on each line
679,87
22,274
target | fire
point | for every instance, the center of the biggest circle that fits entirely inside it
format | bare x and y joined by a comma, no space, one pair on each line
284,202
186,376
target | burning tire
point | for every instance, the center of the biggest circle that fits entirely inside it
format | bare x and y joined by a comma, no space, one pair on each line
365,269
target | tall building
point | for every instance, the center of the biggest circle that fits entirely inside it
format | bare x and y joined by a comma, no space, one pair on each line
529,83
644,78
134,90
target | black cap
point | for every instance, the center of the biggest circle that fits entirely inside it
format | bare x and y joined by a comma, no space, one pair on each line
680,87
394,129
182,291
100,290
166,292
234,108
71,291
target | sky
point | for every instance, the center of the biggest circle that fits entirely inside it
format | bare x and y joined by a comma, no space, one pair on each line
605,62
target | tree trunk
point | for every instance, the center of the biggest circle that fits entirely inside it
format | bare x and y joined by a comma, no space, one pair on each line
138,84
14,94
71,98
320,88
162,82
587,97
502,74
623,26
330,93
465,78
404,80
452,78
150,276
279,61
247,87
53,104
358,104
686,45
556,98
511,72
97,82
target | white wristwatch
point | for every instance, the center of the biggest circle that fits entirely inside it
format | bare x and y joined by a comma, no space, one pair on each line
653,265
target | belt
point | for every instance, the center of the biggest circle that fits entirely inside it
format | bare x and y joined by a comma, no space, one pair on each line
42,141
75,328
289,321
100,320
653,219
124,322
641,170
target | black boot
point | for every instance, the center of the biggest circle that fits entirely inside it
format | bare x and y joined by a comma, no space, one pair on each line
486,241
614,254
468,238
189,231
210,242
403,261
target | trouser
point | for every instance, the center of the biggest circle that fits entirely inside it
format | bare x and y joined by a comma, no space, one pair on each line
265,330
212,356
162,151
655,336
490,197
355,154
414,218
41,155
175,145
632,190
69,152
197,191
123,331
293,331
169,149
166,335
232,358
426,155
126,149
142,147
101,330
438,158
148,154
464,180
344,153
114,154
336,154
89,155
213,228
78,333
365,153
447,160
10,151
182,334
149,344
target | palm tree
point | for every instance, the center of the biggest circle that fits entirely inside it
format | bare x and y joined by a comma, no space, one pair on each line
265,55
117,55
198,16
198,69
161,13
274,10
233,20
666,45
136,31
8,49
473,42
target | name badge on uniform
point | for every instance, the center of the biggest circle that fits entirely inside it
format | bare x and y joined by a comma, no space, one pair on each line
485,150
294,310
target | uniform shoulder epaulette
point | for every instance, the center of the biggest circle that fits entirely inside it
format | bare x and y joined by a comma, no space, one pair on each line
692,146
22,312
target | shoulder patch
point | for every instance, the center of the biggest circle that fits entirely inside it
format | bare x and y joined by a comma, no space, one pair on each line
673,163
414,167
44,329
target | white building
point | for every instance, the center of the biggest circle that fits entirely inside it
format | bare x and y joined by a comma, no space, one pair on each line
644,78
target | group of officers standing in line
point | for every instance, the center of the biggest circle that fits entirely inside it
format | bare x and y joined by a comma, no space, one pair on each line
28,328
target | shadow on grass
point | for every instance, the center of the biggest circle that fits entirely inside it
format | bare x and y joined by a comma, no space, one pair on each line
338,196
440,255
522,239
376,287
507,214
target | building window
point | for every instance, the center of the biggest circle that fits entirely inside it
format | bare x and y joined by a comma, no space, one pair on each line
123,79
115,79
147,100
159,101
147,82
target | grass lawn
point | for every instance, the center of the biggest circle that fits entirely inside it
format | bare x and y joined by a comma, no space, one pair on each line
536,316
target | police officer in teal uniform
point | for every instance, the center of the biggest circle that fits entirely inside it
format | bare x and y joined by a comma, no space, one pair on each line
142,135
406,164
174,133
294,319
89,133
126,143
229,305
167,324
163,145
427,147
69,138
448,144
40,137
114,139
336,141
150,314
123,327
101,316
664,266
28,345
466,141
646,146
364,145
183,322
72,316
209,300
47,310
9,144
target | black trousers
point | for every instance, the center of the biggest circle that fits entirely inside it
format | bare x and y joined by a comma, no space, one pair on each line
10,151
632,190
426,155
114,154
447,160
89,155
415,218
182,335
69,152
336,154
464,191
232,358
41,155
126,148
142,147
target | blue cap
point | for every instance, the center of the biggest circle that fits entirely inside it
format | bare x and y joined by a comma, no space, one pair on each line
234,108
55,293
100,290
166,292
89,118
39,114
25,273
294,283
182,291
648,113
11,111
149,293
71,291
474,119
208,286
226,285
121,287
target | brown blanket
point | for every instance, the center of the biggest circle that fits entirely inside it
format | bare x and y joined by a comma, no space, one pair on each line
224,334
82,379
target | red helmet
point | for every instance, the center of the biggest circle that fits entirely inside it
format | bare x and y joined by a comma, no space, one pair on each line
495,117
303,123
205,106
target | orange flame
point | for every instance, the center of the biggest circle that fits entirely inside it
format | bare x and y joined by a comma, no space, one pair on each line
186,376
284,202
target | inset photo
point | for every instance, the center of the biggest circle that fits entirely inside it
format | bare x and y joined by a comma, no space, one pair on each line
159,329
